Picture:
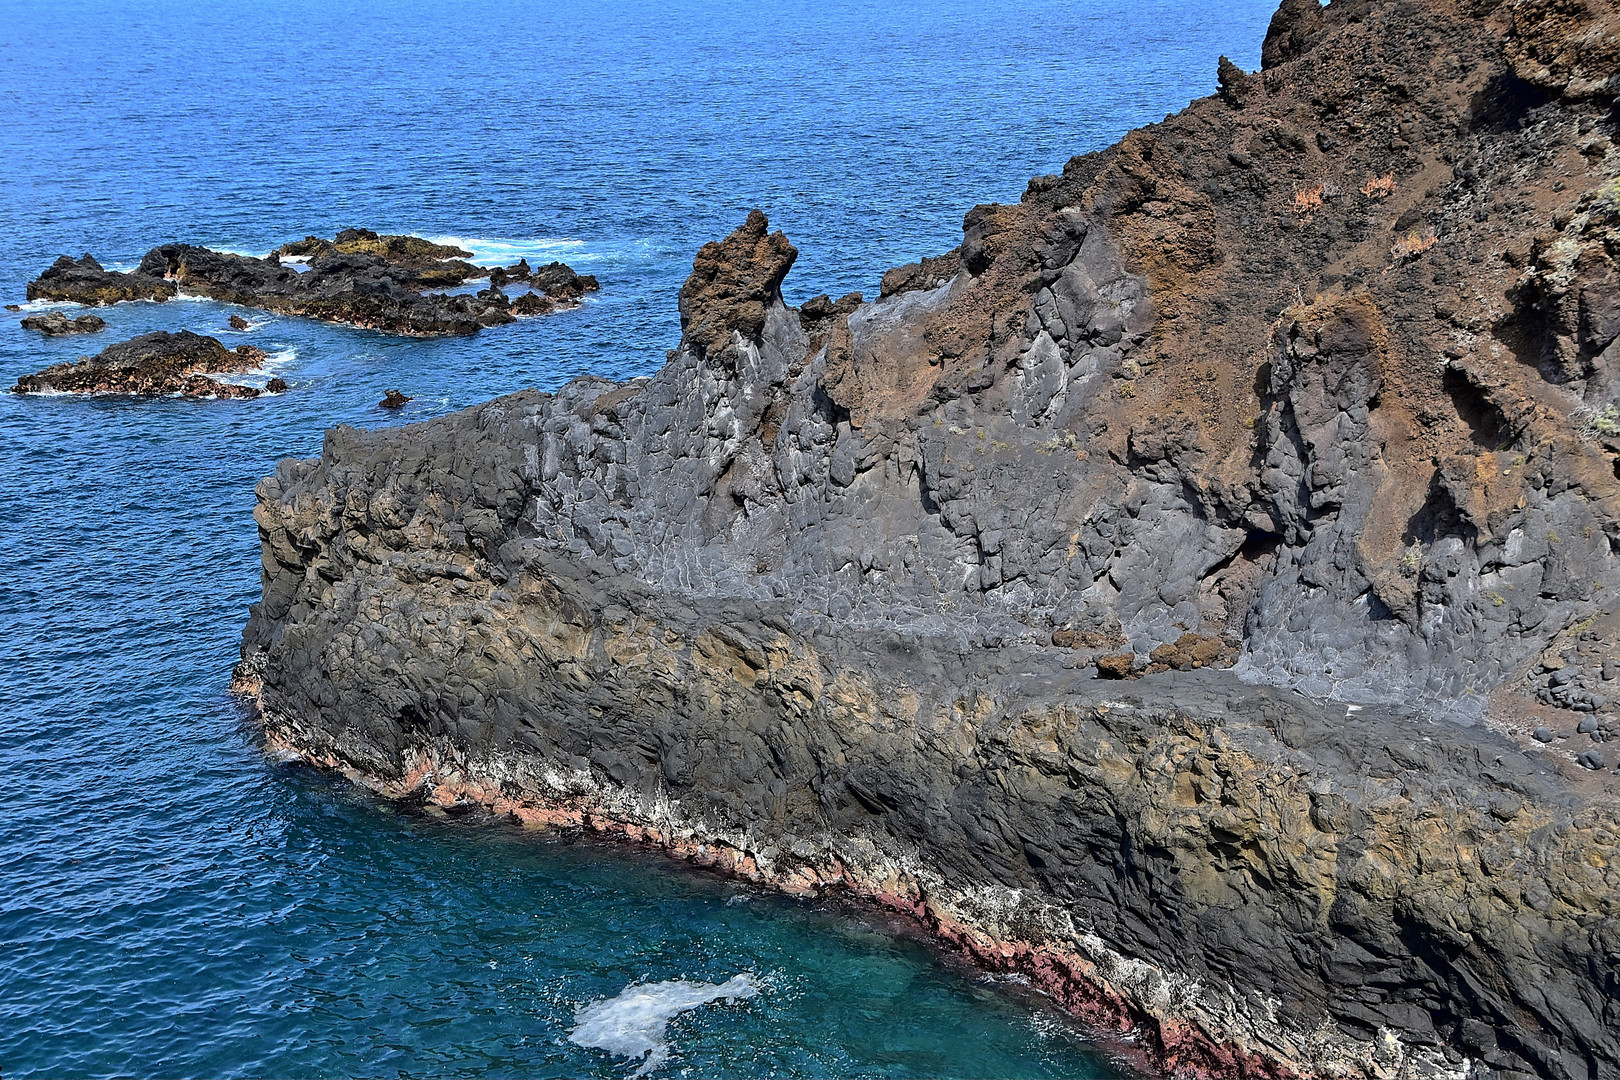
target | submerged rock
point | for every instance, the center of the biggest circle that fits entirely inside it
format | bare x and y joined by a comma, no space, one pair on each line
831,600
361,279
56,324
152,365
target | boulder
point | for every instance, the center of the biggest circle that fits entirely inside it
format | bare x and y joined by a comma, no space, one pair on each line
56,324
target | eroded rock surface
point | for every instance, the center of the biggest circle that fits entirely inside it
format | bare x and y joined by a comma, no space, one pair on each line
1317,376
152,365
360,279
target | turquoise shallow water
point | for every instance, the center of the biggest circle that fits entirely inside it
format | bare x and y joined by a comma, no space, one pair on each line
177,906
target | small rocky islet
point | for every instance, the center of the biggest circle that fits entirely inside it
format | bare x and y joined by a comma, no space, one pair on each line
359,278
56,324
159,364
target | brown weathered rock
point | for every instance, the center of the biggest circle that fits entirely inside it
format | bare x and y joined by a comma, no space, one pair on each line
532,304
732,282
239,323
394,400
1116,665
1191,651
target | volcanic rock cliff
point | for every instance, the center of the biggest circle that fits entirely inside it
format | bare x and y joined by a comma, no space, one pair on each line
1193,591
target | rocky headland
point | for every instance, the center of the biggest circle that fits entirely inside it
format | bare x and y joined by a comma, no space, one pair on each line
1197,591
160,364
360,279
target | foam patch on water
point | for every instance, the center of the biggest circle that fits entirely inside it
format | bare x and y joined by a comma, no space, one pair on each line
635,1023
47,305
274,361
487,251
252,325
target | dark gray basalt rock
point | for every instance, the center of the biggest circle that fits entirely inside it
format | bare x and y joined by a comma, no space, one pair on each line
152,365
56,324
823,602
84,281
362,279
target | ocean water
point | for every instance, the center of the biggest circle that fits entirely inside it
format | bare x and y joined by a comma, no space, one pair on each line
176,905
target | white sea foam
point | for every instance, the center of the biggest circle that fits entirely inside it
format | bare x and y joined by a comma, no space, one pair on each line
273,362
57,305
491,250
634,1024
252,325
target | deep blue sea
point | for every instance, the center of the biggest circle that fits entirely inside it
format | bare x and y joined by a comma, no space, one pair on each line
173,905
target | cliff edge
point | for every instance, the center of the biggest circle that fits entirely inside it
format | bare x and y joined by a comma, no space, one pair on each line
1194,591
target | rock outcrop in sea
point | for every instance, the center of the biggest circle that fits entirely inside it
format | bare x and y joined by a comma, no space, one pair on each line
361,279
1167,594
153,365
56,324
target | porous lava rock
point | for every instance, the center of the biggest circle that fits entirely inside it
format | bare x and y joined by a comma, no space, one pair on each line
1319,375
393,399
152,365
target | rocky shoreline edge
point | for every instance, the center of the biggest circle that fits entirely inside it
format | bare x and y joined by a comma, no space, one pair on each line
1114,994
